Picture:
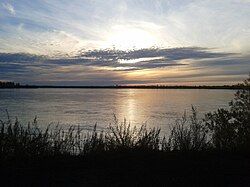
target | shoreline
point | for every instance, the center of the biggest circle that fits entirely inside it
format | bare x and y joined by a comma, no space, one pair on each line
131,87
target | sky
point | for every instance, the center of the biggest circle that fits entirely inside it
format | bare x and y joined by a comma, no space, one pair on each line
129,42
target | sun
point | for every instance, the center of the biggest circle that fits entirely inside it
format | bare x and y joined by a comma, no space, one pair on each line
130,38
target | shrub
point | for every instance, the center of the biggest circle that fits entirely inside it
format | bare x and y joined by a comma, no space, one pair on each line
231,127
187,135
123,137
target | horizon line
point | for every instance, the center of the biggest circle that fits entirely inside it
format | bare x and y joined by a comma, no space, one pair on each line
18,85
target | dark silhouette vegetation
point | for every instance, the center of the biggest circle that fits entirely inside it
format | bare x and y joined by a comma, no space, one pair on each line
9,85
198,152
231,87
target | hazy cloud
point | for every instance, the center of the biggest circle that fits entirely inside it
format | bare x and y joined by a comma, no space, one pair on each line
55,27
9,8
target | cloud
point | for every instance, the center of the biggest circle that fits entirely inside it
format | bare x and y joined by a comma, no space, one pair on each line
9,8
108,67
121,60
41,41
19,57
212,23
147,58
88,24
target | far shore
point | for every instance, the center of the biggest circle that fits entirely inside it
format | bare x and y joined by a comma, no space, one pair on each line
228,87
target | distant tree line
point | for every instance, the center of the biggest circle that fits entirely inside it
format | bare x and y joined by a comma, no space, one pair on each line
9,85
233,87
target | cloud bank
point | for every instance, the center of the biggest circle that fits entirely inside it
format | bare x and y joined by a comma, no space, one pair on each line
144,66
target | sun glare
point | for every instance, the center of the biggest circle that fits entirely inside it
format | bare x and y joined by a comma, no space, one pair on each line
130,38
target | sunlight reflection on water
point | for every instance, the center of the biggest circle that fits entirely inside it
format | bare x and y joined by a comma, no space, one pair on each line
89,106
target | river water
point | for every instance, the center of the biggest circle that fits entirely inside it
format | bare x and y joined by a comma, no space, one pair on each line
85,107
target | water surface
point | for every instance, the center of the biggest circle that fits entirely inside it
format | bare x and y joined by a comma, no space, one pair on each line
156,107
